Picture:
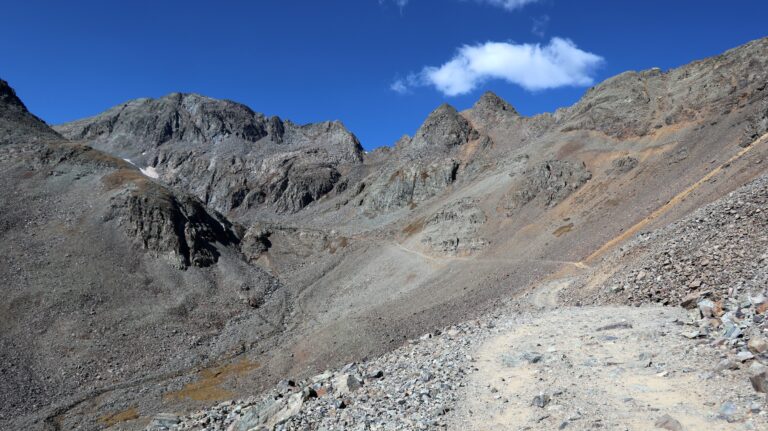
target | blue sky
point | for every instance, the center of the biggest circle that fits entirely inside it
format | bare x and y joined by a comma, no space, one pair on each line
380,66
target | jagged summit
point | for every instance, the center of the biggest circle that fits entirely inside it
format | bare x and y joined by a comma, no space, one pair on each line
491,102
443,130
8,96
17,124
223,152
140,125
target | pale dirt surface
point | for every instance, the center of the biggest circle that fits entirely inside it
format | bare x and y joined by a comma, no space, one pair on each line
617,379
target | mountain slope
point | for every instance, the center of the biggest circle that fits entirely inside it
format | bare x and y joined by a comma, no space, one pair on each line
367,251
106,272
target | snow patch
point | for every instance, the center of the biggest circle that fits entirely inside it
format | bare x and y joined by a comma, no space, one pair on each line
150,171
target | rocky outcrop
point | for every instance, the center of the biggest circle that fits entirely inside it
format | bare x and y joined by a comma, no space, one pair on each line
410,184
442,131
550,182
174,226
223,152
757,125
256,242
422,167
622,165
454,228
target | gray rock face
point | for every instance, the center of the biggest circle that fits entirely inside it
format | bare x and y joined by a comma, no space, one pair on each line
454,228
756,126
630,103
550,181
424,166
18,125
74,216
171,225
223,152
410,184
491,111
441,132
622,165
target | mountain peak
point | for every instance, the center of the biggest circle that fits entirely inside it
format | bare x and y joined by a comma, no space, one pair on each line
8,96
444,128
17,124
490,101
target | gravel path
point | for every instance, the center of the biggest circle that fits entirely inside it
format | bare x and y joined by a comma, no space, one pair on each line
537,366
616,368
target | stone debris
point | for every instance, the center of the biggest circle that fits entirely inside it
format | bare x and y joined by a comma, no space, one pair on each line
667,422
410,388
714,263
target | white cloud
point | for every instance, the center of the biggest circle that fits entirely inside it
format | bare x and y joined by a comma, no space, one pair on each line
399,86
532,66
404,85
540,25
508,4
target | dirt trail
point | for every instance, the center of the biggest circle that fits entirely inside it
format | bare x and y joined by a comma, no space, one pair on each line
441,259
615,368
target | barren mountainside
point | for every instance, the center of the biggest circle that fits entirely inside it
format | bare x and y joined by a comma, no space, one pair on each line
173,253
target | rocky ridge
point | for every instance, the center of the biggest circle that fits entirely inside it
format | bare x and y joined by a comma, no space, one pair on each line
222,152
17,124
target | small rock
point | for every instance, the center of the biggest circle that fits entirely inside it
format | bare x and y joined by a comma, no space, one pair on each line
376,374
617,325
760,382
347,383
322,377
667,422
540,401
757,345
706,308
532,357
689,302
425,376
308,393
727,411
726,364
164,421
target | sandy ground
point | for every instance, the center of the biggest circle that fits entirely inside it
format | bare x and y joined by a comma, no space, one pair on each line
615,368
